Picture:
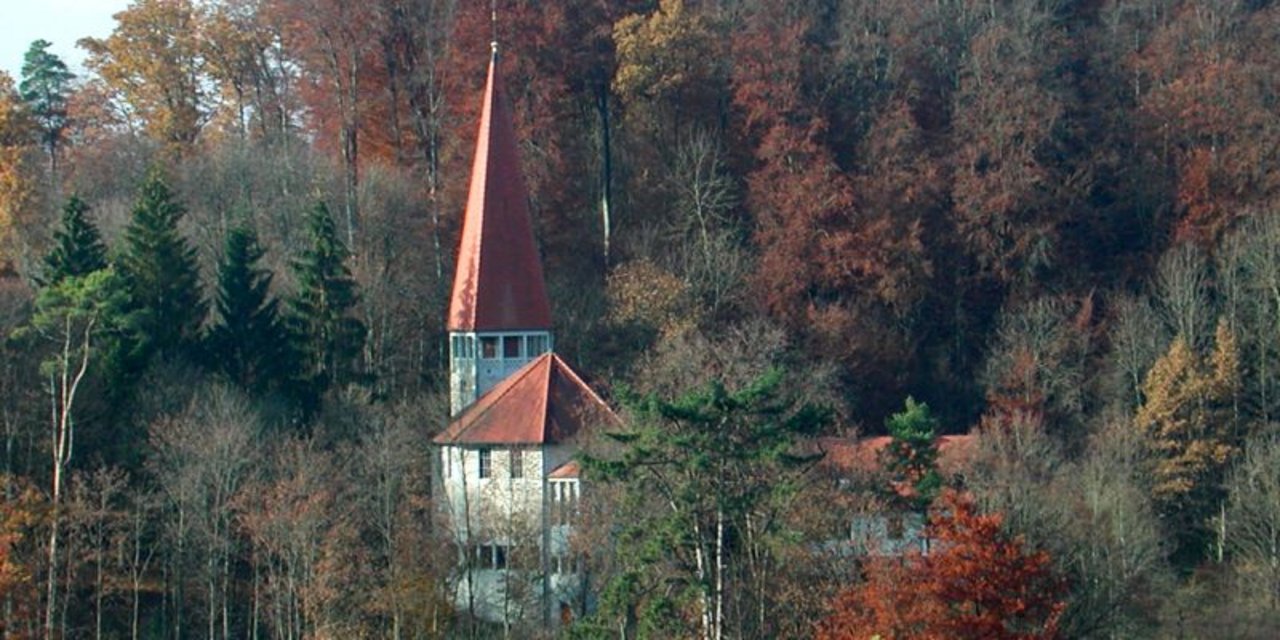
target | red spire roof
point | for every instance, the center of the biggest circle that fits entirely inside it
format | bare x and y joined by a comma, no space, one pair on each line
498,284
543,402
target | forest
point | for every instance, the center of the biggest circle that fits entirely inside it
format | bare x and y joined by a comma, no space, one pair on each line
226,251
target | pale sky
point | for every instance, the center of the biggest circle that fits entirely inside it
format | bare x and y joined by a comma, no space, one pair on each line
61,22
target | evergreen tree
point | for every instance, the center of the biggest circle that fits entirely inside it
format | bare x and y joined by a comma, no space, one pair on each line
325,336
77,246
709,476
46,83
247,343
911,457
161,273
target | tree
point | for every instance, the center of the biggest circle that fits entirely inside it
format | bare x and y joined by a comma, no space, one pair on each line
153,59
1186,421
1092,515
976,582
74,315
911,457
1254,514
46,86
247,342
77,246
1038,363
333,40
162,276
201,459
670,75
23,512
16,192
717,470
325,335
306,553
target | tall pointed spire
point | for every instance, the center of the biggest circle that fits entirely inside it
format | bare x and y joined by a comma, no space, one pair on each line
498,285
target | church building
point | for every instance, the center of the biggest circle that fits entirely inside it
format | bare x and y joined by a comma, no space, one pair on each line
509,485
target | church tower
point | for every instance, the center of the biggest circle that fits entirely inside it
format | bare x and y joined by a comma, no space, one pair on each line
499,316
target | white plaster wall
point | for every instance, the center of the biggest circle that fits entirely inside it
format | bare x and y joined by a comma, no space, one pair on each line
513,512
499,505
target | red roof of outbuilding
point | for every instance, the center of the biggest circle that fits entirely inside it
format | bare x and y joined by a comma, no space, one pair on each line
498,284
847,454
542,403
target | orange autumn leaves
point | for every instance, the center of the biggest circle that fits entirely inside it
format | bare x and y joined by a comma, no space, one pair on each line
976,582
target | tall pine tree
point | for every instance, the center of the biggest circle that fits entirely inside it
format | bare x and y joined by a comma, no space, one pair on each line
160,270
247,342
46,84
326,337
77,246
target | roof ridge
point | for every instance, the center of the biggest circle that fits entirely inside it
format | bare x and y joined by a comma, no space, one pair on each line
545,398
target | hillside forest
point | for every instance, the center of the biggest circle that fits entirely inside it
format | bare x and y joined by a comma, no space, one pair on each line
226,249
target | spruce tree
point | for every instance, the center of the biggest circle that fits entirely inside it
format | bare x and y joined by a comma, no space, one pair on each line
247,343
325,336
911,457
160,270
77,246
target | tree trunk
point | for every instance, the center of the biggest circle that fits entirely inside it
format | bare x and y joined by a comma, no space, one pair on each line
606,169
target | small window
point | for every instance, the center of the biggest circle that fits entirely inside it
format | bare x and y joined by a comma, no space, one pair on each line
511,347
896,528
444,454
517,463
486,463
489,347
499,557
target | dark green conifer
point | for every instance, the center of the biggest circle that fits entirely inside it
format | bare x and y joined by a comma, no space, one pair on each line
911,457
247,342
326,336
77,246
162,276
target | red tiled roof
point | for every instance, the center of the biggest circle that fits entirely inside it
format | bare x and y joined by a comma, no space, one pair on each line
847,454
544,402
570,469
498,284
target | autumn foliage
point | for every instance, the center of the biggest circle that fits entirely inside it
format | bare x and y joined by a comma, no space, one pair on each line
976,582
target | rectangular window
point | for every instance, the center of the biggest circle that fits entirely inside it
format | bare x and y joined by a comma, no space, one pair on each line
499,557
511,347
489,347
517,463
896,528
486,463
444,453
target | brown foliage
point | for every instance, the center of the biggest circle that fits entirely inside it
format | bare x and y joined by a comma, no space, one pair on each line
23,515
976,582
